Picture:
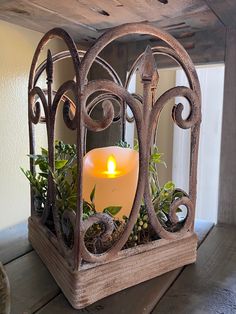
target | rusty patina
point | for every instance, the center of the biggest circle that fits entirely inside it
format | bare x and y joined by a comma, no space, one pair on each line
146,113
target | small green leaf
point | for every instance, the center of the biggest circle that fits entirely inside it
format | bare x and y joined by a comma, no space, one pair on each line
136,145
87,207
166,208
178,194
85,216
123,144
179,210
156,157
43,167
112,210
153,186
169,186
60,163
43,174
92,195
152,168
44,151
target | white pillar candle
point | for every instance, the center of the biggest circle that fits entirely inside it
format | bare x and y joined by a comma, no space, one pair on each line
114,173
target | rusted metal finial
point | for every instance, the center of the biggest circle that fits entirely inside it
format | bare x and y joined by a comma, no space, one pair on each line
49,67
148,67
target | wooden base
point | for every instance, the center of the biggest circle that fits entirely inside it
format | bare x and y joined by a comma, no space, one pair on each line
93,282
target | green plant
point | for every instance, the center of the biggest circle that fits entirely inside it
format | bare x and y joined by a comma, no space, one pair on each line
65,179
39,187
123,144
162,197
89,207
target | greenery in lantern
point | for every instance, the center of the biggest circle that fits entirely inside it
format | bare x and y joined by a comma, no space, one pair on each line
65,179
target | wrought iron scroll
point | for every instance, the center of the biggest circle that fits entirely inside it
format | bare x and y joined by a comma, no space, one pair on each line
50,101
146,112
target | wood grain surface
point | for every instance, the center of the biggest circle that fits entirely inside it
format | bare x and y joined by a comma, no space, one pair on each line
14,242
87,20
31,284
34,290
227,195
129,268
209,286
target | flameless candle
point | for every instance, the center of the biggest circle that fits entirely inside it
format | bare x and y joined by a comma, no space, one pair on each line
114,173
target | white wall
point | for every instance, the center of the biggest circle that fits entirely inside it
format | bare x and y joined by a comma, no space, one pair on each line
17,48
212,85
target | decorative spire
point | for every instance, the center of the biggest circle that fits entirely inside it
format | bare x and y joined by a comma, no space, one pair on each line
49,67
148,67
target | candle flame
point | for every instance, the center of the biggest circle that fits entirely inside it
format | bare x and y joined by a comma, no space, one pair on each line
111,165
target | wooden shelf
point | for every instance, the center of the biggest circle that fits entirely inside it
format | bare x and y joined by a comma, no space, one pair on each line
14,242
34,290
209,286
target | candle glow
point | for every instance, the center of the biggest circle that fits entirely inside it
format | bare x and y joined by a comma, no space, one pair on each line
114,172
111,165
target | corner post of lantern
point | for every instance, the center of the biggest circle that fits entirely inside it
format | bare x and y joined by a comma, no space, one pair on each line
80,143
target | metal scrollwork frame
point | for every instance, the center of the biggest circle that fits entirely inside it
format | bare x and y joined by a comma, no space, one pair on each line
77,116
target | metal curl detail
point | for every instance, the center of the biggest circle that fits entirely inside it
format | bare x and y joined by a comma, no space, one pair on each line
34,107
103,97
139,98
108,223
192,120
108,116
66,115
121,92
114,89
183,201
68,107
146,112
156,224
50,110
195,114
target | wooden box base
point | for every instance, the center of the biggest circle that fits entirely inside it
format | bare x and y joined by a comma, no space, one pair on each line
93,282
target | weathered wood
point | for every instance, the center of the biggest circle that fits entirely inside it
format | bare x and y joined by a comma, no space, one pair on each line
141,298
14,242
31,284
203,47
209,285
4,292
86,20
227,195
41,19
225,10
136,300
33,287
202,228
129,268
